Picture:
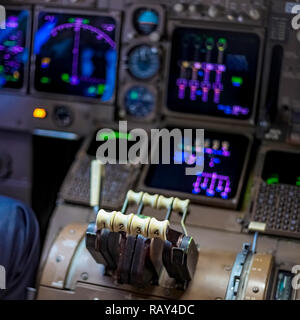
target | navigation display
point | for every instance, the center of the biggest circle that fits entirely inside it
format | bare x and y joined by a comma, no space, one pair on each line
76,55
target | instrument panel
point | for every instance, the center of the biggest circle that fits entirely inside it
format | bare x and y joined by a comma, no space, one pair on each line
69,68
119,65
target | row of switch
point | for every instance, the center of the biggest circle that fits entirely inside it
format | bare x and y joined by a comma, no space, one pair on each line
214,11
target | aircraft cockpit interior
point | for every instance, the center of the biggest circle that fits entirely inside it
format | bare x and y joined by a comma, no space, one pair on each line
150,149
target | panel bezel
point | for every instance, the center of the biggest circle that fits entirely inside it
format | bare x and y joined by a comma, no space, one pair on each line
68,97
172,25
199,199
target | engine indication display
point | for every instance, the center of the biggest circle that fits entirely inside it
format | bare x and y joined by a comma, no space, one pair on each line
144,62
146,21
213,72
13,52
139,101
76,55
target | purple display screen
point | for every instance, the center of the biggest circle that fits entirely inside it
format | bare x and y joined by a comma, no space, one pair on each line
76,55
13,51
213,72
224,158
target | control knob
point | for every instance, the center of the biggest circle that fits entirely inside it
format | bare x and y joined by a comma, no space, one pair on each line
254,14
63,116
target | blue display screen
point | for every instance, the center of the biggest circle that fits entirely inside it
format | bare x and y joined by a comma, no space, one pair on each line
76,55
13,51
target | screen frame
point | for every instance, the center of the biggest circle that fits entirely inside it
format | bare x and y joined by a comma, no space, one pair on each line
260,32
262,154
200,199
68,97
24,88
129,27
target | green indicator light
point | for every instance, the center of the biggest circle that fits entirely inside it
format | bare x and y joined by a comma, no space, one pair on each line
210,43
298,181
221,44
114,135
273,179
1,68
71,20
134,95
65,77
86,21
238,80
101,88
45,80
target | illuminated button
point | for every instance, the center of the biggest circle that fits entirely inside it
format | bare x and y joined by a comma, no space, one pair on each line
232,15
213,11
192,8
178,7
39,113
254,14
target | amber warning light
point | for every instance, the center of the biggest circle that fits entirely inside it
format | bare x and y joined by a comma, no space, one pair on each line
39,113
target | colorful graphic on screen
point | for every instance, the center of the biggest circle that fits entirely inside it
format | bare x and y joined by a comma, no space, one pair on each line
13,51
213,72
224,157
76,55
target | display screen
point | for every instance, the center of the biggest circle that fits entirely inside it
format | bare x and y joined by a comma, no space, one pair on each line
13,52
76,55
224,158
282,167
213,72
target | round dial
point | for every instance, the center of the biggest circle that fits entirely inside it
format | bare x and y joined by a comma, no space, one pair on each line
63,116
145,21
144,62
139,101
